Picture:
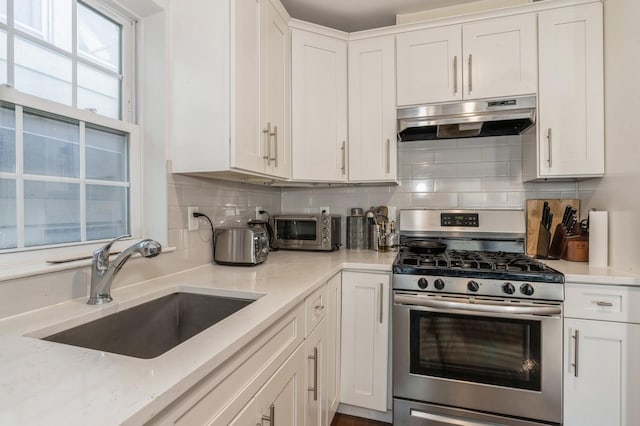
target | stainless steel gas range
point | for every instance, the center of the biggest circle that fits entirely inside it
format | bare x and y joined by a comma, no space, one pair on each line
477,325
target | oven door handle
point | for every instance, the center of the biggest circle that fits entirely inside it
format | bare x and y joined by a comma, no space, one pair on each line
475,305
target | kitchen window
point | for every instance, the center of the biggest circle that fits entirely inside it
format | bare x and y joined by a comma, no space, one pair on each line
69,153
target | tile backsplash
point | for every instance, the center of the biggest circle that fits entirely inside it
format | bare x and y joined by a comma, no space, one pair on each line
224,202
452,173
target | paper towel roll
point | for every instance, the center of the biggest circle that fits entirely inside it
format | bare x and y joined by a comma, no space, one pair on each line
598,238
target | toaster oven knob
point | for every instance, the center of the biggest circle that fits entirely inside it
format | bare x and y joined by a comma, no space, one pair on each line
508,288
473,285
526,289
423,283
325,240
325,221
438,284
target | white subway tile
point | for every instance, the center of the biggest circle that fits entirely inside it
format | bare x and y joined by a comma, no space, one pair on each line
434,200
482,199
457,184
484,169
496,153
435,170
469,155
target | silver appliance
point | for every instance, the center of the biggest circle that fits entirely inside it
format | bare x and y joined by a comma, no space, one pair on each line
321,232
494,117
240,245
477,327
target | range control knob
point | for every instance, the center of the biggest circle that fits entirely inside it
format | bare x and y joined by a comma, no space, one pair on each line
473,286
508,288
526,289
423,283
438,284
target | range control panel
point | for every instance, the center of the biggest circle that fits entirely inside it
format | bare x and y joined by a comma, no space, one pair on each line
459,219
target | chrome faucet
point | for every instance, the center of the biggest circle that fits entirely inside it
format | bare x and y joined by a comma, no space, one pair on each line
103,272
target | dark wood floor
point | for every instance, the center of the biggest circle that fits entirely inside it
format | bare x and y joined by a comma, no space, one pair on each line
344,420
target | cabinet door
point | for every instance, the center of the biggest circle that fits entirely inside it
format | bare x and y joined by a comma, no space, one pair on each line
365,340
570,99
281,399
334,302
248,144
500,57
275,90
316,401
319,107
372,110
246,417
601,373
429,65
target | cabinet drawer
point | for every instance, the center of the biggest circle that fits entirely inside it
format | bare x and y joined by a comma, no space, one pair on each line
605,303
315,308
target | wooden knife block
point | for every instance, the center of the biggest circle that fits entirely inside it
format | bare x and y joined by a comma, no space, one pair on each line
534,214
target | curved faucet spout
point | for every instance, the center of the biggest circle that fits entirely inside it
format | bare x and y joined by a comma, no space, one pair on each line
103,272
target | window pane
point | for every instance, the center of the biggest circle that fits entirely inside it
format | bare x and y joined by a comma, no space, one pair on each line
8,238
42,72
52,213
98,91
98,38
3,57
51,147
48,20
106,155
107,212
7,140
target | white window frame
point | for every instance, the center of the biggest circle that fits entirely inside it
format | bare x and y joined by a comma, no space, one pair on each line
127,76
61,251
20,259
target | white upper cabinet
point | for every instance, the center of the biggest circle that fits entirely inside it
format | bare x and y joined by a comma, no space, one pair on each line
430,65
319,107
500,57
571,95
229,84
372,110
484,59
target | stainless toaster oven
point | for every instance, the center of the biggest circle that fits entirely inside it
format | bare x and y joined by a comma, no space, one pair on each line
308,232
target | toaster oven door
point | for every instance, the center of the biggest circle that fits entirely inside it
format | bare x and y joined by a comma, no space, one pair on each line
298,233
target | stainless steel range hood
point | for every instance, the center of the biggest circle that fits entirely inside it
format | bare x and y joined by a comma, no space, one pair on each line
495,117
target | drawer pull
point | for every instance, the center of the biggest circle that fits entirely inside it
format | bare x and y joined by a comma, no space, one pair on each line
605,304
314,388
318,307
271,418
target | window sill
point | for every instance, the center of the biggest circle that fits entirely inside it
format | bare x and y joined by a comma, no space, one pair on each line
41,267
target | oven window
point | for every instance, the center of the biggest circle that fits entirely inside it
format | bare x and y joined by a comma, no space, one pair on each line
296,230
488,350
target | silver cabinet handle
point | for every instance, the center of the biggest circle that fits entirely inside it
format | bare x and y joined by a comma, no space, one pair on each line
344,157
549,142
470,73
455,74
605,304
576,337
271,418
275,146
314,388
388,163
381,300
267,132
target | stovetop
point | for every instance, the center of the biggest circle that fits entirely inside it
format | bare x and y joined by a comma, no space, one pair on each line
476,264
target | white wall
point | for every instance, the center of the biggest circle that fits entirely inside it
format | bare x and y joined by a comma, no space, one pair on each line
619,190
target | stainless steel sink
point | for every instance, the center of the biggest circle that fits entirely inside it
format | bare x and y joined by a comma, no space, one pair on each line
152,328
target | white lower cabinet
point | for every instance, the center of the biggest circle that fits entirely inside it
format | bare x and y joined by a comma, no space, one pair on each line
315,385
334,323
279,401
365,339
601,369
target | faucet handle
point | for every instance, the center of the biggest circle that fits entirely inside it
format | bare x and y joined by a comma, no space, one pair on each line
101,255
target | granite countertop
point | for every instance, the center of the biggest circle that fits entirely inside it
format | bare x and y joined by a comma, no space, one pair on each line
581,272
48,383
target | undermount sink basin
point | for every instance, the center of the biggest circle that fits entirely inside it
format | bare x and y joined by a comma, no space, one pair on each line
152,328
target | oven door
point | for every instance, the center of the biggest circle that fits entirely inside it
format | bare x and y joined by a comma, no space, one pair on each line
489,355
